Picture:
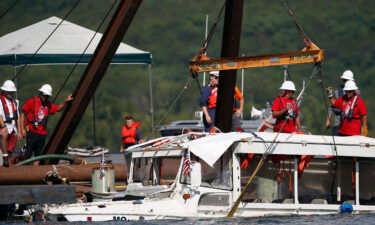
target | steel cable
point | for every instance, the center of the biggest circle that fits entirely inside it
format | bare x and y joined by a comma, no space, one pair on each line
87,46
299,27
8,10
32,57
326,109
213,27
174,102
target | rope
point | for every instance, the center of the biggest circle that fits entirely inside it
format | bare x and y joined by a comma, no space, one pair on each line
87,46
10,8
299,27
32,57
174,102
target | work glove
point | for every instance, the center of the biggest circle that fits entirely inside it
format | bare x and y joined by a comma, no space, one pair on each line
329,92
364,131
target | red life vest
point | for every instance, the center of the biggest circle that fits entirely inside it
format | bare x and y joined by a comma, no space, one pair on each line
8,119
212,99
129,134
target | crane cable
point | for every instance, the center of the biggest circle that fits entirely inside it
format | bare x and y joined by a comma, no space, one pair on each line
32,57
87,46
8,10
174,102
299,27
326,110
213,28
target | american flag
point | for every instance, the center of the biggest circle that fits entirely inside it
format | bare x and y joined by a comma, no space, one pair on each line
101,169
186,166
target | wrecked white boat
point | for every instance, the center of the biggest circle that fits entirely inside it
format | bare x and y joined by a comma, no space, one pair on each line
209,178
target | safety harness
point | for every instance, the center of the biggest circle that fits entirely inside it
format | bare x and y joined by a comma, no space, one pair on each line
36,122
286,115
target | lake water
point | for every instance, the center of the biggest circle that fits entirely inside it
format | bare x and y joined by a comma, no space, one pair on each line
341,219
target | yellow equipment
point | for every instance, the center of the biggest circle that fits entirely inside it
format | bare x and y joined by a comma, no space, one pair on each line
309,54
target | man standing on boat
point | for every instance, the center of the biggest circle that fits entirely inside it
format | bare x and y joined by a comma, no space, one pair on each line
131,134
35,113
208,101
335,112
10,124
353,110
285,110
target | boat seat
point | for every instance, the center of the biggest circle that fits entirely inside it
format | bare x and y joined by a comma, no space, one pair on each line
288,201
319,201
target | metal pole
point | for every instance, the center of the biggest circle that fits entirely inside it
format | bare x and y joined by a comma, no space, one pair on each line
92,76
242,85
151,102
229,48
94,119
356,181
338,177
15,79
296,180
205,37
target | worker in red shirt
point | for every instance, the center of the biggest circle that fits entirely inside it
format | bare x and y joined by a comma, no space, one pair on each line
353,111
35,113
285,110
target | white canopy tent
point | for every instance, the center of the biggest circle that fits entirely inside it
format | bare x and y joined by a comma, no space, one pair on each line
64,46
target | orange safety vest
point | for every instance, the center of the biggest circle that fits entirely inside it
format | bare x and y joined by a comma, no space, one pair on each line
212,99
129,134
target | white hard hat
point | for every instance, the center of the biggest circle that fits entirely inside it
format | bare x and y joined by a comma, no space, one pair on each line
9,86
347,75
288,85
214,73
46,89
350,86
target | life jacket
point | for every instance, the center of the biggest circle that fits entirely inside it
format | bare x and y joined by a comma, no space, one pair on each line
212,99
129,134
9,119
39,119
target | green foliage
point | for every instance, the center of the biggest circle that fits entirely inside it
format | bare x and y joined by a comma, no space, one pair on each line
173,31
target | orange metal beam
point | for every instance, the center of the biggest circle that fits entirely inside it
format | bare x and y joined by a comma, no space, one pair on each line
310,54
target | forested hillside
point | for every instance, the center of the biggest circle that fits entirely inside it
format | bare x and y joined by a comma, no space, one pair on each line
173,31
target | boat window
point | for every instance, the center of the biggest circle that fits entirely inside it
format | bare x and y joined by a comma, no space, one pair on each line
218,176
318,182
156,171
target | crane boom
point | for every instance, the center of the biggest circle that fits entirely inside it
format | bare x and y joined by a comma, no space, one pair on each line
309,54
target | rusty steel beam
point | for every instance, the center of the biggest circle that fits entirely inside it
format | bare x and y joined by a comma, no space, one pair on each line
91,78
229,48
17,175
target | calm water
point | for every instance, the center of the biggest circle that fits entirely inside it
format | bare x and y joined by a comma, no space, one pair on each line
342,219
